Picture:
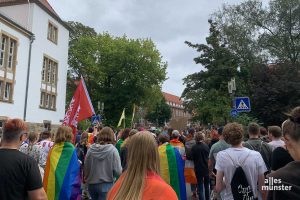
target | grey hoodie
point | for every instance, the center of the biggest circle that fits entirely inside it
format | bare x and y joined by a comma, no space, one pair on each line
102,164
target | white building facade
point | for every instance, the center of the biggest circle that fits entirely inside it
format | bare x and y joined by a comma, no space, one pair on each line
41,48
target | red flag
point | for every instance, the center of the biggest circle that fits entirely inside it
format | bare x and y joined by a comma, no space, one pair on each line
80,107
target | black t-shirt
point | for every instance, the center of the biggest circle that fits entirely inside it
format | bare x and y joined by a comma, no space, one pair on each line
19,173
280,157
212,142
123,155
200,152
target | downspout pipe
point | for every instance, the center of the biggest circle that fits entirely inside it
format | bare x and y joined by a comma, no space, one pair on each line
28,75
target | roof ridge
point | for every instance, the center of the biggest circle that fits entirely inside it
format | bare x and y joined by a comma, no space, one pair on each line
172,98
49,7
44,4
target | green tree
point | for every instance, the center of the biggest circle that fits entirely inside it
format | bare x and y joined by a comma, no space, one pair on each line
206,93
272,35
118,71
160,114
77,30
275,91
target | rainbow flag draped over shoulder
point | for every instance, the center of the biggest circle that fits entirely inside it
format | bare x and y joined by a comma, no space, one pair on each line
62,179
172,169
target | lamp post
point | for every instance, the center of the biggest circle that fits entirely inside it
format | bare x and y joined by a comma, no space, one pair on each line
231,91
100,106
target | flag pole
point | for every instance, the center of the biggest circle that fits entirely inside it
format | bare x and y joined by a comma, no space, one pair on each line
124,118
133,113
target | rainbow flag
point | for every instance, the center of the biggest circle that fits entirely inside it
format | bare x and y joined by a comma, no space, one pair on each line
172,169
62,179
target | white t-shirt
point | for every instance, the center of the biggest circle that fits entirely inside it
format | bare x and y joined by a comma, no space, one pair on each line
276,143
253,166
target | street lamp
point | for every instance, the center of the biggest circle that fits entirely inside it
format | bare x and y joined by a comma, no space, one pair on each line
231,90
100,107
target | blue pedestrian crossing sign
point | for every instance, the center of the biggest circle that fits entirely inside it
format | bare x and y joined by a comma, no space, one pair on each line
96,119
242,104
233,113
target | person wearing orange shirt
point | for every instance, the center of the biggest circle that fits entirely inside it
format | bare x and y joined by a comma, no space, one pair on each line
141,180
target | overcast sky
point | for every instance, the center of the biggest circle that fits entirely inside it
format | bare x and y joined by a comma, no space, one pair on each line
167,22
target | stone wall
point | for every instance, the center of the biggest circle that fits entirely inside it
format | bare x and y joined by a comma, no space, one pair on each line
179,123
39,127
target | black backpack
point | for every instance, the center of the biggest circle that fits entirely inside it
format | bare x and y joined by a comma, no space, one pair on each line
263,155
240,187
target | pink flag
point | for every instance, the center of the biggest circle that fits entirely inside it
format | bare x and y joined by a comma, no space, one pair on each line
80,107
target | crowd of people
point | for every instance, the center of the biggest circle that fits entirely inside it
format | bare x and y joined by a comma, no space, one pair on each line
136,164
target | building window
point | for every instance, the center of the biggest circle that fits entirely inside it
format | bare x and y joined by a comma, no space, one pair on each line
44,69
8,51
52,32
53,102
1,84
42,98
49,84
53,75
11,53
2,50
7,91
49,71
49,67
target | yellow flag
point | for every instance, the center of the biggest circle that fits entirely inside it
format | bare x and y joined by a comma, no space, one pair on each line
122,117
133,112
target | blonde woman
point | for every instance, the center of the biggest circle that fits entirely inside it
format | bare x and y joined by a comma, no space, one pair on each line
124,149
141,179
102,164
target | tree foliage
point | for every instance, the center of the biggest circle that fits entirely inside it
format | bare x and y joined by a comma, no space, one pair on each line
272,35
275,90
249,36
206,92
160,114
117,70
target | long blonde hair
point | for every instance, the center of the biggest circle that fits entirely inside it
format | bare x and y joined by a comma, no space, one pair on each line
142,158
63,134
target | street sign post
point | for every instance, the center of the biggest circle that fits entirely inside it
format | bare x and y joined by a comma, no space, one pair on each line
242,104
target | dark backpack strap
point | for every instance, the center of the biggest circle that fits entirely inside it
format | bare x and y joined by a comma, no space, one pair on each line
261,146
250,145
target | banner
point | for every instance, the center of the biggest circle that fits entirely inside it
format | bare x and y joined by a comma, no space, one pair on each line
80,107
122,118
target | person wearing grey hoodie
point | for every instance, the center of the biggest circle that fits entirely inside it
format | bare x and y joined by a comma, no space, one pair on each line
102,164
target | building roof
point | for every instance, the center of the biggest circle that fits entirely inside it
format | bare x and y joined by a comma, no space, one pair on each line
44,4
172,98
12,23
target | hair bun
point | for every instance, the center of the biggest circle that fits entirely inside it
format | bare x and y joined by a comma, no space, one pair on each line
295,119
